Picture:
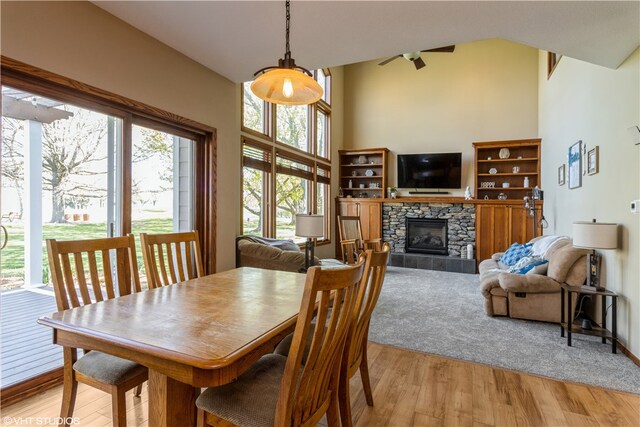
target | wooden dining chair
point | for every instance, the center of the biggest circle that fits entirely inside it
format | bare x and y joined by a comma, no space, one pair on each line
281,391
169,258
355,351
112,272
352,243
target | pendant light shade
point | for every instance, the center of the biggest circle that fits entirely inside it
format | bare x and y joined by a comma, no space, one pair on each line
287,83
286,86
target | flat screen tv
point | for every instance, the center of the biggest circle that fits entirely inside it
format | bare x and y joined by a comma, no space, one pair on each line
436,170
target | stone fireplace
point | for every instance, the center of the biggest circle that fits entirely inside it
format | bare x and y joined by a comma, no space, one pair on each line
427,236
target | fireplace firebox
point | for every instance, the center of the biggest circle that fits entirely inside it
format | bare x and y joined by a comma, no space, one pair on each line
427,236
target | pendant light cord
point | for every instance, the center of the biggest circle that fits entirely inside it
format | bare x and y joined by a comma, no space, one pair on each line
288,15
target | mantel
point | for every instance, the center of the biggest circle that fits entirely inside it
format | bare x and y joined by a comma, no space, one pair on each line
437,200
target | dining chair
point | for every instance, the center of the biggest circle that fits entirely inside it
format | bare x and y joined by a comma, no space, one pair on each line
169,258
355,351
112,272
352,243
282,391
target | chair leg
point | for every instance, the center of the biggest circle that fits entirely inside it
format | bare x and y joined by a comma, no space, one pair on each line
364,374
344,399
201,418
332,411
118,407
70,386
138,390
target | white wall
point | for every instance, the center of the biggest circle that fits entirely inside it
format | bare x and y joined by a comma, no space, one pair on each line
594,104
484,91
83,42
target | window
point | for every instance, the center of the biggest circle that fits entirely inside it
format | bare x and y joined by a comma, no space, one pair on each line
256,173
285,163
292,126
253,111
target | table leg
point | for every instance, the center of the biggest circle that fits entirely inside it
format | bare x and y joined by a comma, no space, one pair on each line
614,326
569,319
562,308
171,402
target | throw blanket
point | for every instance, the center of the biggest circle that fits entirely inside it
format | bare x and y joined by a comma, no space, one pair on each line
285,245
542,246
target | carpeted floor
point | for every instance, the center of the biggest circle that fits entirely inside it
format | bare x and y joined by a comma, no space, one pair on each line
442,313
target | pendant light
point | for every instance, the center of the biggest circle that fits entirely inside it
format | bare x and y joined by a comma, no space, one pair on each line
288,83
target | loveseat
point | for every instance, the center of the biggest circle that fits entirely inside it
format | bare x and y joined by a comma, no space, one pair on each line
536,294
270,254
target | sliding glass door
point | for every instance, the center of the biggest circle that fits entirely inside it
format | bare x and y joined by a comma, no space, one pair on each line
76,172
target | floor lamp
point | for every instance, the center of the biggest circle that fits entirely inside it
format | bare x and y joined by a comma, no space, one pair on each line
530,203
595,235
310,226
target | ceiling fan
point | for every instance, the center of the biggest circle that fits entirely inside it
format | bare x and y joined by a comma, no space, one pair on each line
415,56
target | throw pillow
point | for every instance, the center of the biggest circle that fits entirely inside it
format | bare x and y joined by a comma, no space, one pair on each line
515,253
540,268
527,263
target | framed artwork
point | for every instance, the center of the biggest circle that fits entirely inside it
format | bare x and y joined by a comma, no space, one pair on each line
593,161
574,163
561,174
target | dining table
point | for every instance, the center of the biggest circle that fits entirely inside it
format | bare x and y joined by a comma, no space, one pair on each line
199,333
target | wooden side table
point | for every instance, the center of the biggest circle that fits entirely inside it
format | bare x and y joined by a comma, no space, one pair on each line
597,330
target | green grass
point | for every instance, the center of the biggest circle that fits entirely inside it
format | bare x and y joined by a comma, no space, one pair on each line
13,254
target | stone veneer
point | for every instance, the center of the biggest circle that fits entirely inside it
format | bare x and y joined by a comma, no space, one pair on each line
461,223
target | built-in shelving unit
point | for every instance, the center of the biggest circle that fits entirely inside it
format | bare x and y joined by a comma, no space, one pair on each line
363,173
522,162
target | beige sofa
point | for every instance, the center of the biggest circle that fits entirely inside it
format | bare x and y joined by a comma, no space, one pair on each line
532,296
270,254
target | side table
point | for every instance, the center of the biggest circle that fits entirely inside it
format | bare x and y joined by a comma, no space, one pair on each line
597,330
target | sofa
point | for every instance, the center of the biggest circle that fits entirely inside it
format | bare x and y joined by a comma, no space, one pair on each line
533,296
270,254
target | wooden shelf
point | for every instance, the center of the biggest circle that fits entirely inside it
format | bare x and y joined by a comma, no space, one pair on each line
502,221
360,177
362,165
504,188
362,189
596,330
529,159
510,174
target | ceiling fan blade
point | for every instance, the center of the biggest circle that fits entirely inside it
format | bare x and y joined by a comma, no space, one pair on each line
444,49
386,61
419,63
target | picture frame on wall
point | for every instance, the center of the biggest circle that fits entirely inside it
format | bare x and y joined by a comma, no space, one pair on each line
574,162
561,174
593,161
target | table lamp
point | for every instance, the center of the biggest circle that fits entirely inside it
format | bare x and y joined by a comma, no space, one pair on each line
310,226
594,235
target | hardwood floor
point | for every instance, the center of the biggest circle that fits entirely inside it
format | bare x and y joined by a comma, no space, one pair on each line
410,389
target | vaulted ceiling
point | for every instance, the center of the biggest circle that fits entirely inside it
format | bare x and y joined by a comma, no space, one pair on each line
236,38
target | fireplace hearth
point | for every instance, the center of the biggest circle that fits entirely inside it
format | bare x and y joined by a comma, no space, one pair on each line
427,236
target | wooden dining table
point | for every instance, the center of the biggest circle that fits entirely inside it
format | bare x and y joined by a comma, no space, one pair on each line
202,332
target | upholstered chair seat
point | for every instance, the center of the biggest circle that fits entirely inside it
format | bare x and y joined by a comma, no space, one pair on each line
106,368
250,400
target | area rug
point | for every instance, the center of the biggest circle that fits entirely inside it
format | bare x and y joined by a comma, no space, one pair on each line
442,313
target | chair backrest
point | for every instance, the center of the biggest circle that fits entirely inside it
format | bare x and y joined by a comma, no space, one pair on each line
349,251
169,258
305,390
103,281
373,244
375,269
349,227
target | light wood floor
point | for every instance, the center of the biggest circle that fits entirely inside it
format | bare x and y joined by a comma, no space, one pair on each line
416,389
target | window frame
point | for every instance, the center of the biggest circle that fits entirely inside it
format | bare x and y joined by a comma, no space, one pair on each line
311,158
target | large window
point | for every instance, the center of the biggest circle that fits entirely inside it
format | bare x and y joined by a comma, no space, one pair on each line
286,163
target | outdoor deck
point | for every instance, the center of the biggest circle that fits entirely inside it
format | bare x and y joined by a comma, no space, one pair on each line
27,349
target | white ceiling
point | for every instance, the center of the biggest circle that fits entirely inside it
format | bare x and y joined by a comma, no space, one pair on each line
236,38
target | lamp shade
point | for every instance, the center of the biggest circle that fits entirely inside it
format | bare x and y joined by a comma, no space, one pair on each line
309,225
595,235
286,86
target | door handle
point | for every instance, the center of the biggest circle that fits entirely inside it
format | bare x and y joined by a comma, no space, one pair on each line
6,236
